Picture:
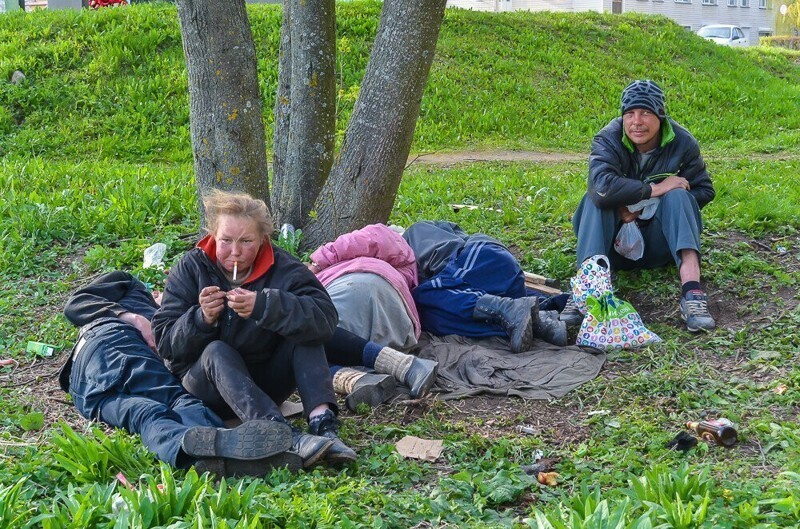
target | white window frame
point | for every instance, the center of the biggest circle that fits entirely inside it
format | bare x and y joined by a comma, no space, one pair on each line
731,3
762,4
683,1
744,3
709,2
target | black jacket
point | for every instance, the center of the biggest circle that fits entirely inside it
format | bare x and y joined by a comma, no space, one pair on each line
615,178
108,296
291,305
104,300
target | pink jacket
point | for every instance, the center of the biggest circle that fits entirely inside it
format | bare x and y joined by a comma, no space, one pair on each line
375,249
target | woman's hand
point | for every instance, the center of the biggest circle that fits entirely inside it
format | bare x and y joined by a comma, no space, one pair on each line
242,301
212,303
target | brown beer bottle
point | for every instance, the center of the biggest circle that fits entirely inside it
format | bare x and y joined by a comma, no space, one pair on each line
721,431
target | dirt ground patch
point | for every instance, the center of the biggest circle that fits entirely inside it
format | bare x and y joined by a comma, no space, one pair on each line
454,158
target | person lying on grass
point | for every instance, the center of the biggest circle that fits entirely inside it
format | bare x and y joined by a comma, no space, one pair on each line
471,285
114,376
641,156
242,323
369,274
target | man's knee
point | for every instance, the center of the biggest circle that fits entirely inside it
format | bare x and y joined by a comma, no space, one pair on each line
678,200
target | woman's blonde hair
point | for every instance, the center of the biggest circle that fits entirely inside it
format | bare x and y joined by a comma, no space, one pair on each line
217,202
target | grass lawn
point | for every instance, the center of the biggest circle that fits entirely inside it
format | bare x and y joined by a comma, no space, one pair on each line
96,167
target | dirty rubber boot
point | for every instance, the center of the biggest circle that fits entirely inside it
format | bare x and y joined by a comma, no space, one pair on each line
550,328
416,373
360,387
227,468
327,425
421,376
251,440
515,316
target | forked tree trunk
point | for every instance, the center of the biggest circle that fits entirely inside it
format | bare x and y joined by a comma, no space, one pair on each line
363,184
305,109
227,129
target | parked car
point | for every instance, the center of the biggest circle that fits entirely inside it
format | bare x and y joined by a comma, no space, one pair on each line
724,34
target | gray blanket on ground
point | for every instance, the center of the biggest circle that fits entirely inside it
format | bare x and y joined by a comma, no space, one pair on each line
469,366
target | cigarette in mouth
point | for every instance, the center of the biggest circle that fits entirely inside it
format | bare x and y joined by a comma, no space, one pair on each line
235,269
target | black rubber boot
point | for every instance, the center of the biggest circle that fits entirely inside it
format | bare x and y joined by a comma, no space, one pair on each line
249,441
550,328
369,388
515,316
421,376
326,425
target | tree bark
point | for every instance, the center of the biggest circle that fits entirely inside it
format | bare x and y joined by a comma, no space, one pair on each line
304,153
226,125
363,184
282,111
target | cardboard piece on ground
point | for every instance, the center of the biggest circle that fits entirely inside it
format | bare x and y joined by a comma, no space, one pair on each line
416,448
289,408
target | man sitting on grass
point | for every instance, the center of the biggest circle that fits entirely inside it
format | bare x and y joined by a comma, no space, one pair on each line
640,156
114,376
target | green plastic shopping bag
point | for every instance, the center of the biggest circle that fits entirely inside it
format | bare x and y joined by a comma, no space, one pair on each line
612,323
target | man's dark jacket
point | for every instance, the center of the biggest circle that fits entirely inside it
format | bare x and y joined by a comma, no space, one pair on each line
615,178
291,305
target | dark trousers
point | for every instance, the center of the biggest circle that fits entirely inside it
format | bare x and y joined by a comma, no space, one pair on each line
447,300
676,226
345,348
251,390
116,378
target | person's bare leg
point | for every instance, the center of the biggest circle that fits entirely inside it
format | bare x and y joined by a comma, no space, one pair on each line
690,266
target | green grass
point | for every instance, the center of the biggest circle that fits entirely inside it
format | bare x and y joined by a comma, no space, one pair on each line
96,166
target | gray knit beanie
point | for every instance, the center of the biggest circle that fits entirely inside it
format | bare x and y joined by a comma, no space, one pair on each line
644,94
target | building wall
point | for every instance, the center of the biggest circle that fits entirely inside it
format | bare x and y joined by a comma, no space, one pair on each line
752,16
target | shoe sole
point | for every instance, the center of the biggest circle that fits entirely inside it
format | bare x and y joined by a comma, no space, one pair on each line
695,329
371,394
258,467
249,441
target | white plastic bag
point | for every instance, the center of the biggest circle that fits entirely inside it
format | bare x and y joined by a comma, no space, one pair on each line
629,242
154,255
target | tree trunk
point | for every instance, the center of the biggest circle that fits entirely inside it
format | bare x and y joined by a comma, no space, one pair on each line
304,152
363,184
227,129
281,112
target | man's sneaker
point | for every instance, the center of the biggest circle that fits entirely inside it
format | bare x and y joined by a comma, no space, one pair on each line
225,467
249,441
327,425
571,316
694,311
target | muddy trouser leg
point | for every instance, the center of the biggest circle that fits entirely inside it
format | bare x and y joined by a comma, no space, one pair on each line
595,229
302,367
222,380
